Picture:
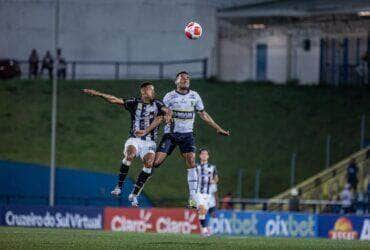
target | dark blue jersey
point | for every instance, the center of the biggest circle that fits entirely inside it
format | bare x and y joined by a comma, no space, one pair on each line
142,115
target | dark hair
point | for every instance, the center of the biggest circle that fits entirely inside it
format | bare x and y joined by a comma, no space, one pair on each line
203,149
182,72
145,84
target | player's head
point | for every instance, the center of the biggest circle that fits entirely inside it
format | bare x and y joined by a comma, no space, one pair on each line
203,155
147,91
182,80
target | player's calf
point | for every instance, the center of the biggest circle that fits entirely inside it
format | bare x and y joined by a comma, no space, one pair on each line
192,177
142,178
125,166
202,213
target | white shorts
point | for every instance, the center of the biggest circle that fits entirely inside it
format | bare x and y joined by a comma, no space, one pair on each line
203,200
142,147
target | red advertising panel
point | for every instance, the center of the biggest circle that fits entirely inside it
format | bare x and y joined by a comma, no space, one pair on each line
159,220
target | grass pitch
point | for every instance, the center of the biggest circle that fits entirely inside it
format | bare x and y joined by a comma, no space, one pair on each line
32,238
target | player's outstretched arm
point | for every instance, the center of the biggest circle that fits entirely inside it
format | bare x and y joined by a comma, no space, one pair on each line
108,98
157,121
208,119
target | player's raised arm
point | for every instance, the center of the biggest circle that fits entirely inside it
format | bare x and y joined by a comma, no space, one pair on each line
108,98
208,119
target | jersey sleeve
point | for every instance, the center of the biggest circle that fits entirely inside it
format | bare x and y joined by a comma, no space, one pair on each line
129,104
160,105
199,106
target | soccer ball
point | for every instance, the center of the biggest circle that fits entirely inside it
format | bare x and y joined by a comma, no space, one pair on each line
193,30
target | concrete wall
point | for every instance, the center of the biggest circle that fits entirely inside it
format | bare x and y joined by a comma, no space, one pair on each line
238,58
306,64
123,30
237,47
234,60
276,57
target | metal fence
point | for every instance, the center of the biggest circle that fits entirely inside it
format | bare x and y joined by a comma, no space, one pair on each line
127,69
312,206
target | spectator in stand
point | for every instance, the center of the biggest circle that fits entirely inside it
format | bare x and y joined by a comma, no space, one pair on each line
361,203
361,68
47,63
368,198
226,202
294,201
33,61
62,65
352,171
346,199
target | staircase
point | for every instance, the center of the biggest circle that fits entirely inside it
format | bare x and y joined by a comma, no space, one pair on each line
329,183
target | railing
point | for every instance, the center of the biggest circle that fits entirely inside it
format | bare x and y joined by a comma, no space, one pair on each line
332,180
312,206
80,69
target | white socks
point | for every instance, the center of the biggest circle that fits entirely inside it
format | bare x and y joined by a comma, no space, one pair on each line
192,181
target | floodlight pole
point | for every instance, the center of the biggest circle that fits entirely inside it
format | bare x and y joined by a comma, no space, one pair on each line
54,107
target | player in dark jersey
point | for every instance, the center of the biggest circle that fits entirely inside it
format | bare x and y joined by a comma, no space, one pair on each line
144,111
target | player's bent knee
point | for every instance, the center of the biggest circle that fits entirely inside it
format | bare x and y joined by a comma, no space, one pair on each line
202,210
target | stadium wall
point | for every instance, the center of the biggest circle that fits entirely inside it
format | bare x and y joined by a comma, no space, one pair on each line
121,30
29,184
287,57
241,53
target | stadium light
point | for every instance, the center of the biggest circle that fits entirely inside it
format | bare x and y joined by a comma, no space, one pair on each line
54,108
257,26
364,13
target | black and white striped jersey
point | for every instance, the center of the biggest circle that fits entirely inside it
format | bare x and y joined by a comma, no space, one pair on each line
142,115
206,173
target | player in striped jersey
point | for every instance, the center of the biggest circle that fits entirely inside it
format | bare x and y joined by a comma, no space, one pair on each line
207,178
144,111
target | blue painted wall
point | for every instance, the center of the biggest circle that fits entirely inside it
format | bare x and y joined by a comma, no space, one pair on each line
22,183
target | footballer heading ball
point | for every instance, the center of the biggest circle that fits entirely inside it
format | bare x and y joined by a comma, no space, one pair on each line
193,30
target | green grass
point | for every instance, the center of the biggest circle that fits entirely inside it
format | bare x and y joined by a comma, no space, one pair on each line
267,122
32,238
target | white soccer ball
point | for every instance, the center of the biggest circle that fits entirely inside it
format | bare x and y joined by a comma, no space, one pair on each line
193,30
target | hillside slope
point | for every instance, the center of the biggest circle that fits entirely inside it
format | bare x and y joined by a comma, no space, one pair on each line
267,123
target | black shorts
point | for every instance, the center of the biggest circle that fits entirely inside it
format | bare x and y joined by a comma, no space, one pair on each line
185,141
